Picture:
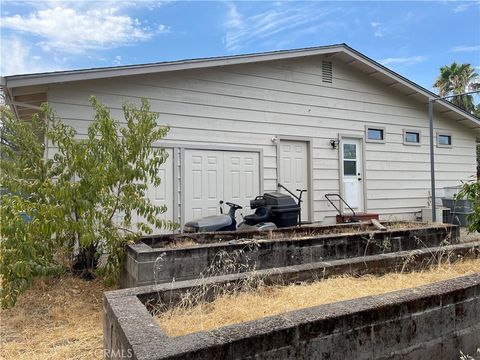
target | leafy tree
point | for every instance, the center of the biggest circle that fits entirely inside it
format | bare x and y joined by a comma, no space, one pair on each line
456,79
84,202
478,160
27,214
471,191
476,112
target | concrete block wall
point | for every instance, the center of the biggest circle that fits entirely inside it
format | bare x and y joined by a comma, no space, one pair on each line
142,268
434,321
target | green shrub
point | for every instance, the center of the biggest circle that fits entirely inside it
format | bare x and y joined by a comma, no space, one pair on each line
67,211
471,191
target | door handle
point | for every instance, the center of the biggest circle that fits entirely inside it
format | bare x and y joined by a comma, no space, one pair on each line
359,179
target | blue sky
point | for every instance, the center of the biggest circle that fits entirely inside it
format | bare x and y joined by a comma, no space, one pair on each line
413,38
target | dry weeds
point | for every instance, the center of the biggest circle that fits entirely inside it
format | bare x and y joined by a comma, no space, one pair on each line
55,319
268,301
182,241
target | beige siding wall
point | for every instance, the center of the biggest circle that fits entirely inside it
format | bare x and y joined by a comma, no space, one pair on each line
247,105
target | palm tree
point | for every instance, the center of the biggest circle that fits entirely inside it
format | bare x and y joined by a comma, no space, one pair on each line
457,79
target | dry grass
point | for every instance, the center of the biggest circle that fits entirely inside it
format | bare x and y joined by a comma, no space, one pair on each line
55,319
353,228
182,241
268,301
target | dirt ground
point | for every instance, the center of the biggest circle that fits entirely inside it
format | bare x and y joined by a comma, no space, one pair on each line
56,319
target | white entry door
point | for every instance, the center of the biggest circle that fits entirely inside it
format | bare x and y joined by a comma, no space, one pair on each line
294,170
352,173
211,176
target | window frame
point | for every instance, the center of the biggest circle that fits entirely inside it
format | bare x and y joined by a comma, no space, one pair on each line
443,133
373,127
417,131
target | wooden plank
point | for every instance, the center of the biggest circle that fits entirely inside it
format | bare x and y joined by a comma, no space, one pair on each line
377,224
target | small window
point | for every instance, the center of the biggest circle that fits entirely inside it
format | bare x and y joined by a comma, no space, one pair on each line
444,140
349,159
411,137
349,151
375,134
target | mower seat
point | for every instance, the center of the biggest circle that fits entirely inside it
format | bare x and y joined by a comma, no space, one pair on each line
261,214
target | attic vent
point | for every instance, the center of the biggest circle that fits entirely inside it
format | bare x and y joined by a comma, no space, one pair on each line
327,72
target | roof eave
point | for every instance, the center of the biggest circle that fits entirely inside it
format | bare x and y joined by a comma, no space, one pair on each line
15,81
466,115
404,81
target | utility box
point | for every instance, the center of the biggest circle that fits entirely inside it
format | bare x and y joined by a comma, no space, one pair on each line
444,215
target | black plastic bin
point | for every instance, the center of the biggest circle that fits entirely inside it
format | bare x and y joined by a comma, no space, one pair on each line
461,206
284,209
461,218
285,217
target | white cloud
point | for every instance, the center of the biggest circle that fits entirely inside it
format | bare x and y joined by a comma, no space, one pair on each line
464,6
91,4
234,19
379,29
465,48
403,61
461,8
75,30
17,58
242,31
118,60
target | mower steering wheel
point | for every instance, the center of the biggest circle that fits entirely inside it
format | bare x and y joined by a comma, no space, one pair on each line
233,205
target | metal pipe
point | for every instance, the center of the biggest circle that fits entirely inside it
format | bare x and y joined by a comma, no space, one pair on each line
432,159
432,148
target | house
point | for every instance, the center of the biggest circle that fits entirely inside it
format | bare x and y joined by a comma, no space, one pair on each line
326,119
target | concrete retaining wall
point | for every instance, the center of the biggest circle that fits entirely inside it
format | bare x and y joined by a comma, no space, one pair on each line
149,264
432,321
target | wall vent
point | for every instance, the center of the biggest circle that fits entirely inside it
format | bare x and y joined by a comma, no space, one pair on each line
327,71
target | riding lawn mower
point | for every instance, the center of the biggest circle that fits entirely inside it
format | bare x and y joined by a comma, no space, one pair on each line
272,210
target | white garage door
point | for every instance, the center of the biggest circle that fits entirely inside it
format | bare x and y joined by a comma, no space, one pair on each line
163,194
211,176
